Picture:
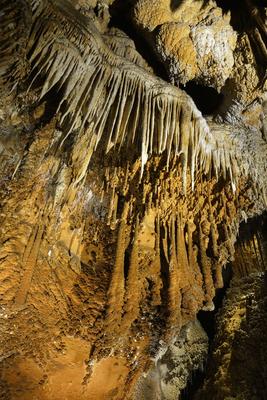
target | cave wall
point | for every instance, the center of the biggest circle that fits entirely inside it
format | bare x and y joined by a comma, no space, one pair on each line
120,202
237,366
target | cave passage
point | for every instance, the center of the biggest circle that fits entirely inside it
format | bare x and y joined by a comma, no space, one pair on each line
251,247
174,4
208,318
241,19
208,322
206,98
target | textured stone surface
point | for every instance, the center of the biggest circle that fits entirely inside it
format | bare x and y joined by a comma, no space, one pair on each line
120,202
175,365
237,369
194,39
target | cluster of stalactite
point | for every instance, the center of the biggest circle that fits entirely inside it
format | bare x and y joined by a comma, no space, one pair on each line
123,103
124,262
251,248
15,26
170,250
257,32
118,101
191,234
125,207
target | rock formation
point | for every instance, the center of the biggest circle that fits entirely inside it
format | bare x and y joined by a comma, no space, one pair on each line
240,341
120,202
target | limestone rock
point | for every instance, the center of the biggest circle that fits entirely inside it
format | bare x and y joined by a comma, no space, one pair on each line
237,369
175,365
194,39
120,201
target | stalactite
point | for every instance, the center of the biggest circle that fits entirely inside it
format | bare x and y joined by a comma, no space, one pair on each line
229,240
174,295
116,290
192,259
165,243
250,251
15,22
132,292
206,269
96,94
156,266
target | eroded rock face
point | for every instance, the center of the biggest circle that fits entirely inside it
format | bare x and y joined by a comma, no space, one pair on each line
193,38
120,202
196,41
175,365
237,369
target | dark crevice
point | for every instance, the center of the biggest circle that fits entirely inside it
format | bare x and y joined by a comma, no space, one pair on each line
238,5
175,4
165,276
251,246
126,263
239,20
253,226
207,99
124,8
208,322
51,100
208,318
195,382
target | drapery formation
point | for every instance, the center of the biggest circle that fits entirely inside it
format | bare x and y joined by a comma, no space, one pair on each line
123,205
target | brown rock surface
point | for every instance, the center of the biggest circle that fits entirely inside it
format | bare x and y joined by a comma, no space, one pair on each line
193,38
120,203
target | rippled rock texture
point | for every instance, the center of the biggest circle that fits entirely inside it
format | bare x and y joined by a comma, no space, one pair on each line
120,200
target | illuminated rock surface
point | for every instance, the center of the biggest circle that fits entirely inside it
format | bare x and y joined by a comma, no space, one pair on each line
120,200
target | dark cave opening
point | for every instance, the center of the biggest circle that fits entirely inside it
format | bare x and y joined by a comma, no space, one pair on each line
251,246
193,385
50,99
237,5
119,8
208,318
240,12
208,322
239,20
256,225
126,263
206,98
174,4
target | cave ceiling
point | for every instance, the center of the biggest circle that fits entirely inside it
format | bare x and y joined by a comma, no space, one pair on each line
133,143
